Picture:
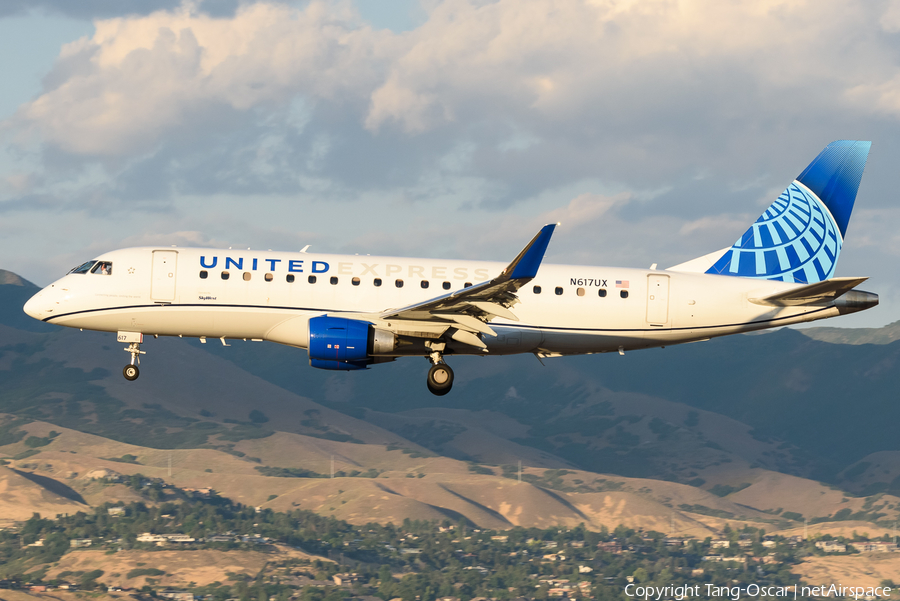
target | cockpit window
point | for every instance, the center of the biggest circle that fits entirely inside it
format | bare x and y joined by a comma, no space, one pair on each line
84,268
103,268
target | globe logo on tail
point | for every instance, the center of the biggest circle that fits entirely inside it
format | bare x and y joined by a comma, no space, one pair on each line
795,240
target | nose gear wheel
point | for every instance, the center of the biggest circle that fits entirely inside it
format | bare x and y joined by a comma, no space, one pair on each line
131,371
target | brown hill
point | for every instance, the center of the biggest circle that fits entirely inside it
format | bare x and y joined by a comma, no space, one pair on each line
408,486
8,278
874,472
181,568
850,570
57,595
774,491
666,437
848,529
483,436
20,497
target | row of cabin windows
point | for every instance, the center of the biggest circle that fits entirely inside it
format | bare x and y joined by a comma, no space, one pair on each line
399,283
581,292
334,280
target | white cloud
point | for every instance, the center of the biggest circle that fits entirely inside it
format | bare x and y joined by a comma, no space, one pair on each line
634,68
651,129
140,77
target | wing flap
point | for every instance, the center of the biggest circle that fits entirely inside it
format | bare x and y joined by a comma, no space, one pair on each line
468,338
494,309
810,294
467,322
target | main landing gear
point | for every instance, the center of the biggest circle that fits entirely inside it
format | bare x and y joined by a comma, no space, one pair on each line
440,376
131,371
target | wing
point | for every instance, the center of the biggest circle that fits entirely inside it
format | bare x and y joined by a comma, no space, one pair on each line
462,315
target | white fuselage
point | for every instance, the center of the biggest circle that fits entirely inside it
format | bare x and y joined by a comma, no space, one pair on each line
161,291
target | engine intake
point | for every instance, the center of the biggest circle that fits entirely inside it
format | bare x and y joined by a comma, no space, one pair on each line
346,344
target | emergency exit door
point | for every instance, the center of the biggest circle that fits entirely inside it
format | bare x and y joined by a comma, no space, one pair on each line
162,279
657,299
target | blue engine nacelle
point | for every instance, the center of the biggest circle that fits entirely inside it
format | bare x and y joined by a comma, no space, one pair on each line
340,343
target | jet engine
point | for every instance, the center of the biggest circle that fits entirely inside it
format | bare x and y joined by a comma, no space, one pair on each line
347,344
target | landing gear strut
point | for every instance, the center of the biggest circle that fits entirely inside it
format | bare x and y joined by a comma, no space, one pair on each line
440,376
131,371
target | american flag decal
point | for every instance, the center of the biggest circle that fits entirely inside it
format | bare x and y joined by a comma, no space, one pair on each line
621,283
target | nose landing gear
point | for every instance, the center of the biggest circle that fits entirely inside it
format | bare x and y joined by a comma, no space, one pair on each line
131,371
440,376
134,340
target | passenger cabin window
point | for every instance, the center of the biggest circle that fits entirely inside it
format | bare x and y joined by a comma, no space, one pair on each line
311,279
355,281
537,289
398,283
624,294
269,277
84,267
559,291
424,283
467,285
334,280
580,292
290,278
204,275
247,276
103,268
446,285
601,293
376,282
225,275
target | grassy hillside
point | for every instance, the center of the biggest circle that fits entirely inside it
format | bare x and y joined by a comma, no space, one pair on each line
885,335
70,469
21,494
809,404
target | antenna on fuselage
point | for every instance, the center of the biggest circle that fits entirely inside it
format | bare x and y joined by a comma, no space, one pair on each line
305,248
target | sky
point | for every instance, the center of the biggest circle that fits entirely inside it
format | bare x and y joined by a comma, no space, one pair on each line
654,131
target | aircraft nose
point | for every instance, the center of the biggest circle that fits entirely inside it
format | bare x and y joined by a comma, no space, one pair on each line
35,306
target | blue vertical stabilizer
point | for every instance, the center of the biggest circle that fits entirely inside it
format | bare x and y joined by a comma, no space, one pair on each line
799,237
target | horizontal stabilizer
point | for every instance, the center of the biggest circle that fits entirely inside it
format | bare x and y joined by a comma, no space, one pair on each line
810,294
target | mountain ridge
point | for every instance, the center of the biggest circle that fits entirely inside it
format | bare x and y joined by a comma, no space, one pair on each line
710,414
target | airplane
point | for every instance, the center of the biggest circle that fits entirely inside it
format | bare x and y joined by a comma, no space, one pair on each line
351,312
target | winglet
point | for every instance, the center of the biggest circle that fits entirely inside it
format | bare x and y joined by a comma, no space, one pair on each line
526,264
